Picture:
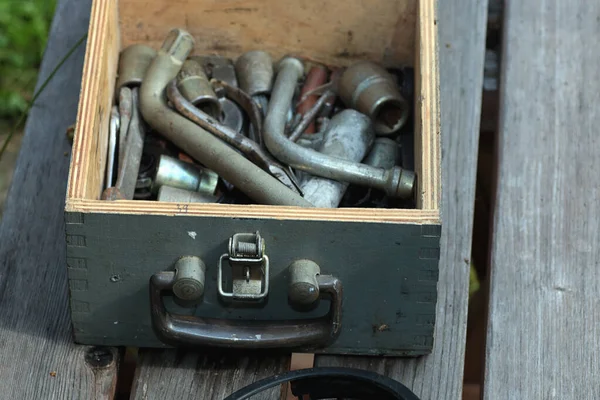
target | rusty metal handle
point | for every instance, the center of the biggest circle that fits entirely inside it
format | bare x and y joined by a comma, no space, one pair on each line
178,330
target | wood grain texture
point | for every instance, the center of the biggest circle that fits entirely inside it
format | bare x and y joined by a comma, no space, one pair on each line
385,35
136,207
543,337
427,98
38,359
462,26
183,375
281,27
97,91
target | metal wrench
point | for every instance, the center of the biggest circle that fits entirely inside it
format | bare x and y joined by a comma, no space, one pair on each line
112,146
125,111
250,148
132,151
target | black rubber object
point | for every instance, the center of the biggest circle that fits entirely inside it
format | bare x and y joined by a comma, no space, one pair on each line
327,383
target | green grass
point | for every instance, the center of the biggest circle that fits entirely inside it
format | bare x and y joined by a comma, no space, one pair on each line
24,26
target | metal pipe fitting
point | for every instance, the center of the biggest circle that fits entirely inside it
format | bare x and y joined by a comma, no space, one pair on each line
248,147
370,89
190,273
134,61
195,141
218,67
132,151
177,195
383,154
255,72
348,137
396,182
316,77
303,286
196,88
232,117
125,112
309,116
183,175
112,147
251,105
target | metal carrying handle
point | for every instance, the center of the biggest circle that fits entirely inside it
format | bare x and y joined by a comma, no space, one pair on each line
180,330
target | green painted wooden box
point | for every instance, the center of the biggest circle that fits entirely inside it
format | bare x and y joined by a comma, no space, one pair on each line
386,259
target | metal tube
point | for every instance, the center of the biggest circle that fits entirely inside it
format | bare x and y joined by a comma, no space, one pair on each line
195,141
309,116
254,70
195,87
183,175
112,147
218,67
396,182
317,76
232,116
176,195
370,89
348,137
383,154
132,151
125,111
134,61
249,104
250,148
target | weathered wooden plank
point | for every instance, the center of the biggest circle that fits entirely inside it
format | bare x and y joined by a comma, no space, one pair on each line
181,374
38,359
543,336
462,27
462,32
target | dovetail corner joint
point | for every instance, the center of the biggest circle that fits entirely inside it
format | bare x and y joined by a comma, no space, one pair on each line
76,240
76,263
74,218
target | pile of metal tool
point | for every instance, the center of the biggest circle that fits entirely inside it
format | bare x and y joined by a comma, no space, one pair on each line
203,128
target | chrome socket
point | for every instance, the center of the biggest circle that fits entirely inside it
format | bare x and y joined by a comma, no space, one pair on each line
370,89
255,72
133,64
183,175
196,88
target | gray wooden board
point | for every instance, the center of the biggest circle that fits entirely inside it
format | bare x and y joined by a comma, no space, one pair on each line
38,359
462,27
543,338
180,374
389,278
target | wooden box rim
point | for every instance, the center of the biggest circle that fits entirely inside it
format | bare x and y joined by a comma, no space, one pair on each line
91,118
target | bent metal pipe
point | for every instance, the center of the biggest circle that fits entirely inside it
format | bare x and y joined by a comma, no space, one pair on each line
396,182
197,142
247,146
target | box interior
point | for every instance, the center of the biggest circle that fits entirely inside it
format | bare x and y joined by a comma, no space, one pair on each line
391,32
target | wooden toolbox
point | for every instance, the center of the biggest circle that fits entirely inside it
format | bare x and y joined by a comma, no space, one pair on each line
386,259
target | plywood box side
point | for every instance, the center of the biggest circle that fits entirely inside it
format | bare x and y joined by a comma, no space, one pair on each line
427,113
420,217
332,32
88,162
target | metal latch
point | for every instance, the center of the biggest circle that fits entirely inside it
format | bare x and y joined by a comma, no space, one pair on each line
249,268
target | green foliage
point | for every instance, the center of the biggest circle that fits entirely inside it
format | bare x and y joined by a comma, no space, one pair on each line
24,26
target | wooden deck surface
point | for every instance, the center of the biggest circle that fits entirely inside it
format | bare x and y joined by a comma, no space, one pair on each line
543,339
35,334
38,359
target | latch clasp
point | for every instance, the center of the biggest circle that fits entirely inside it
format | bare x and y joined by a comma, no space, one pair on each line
249,268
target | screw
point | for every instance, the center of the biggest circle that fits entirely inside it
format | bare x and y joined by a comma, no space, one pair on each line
115,278
98,357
